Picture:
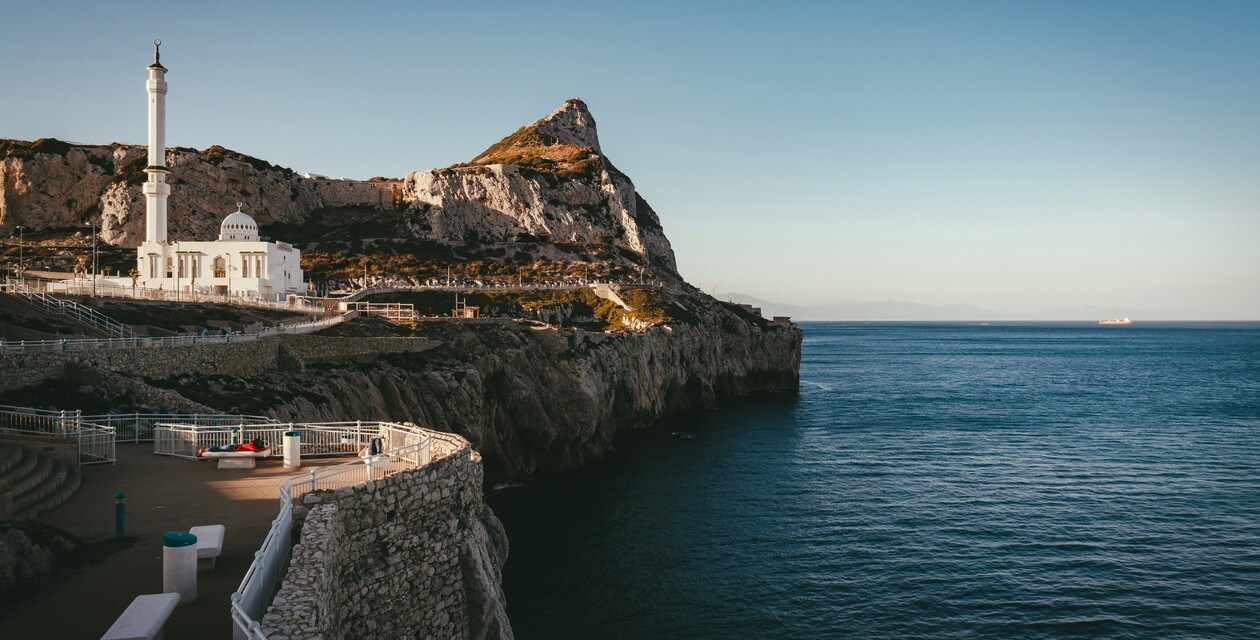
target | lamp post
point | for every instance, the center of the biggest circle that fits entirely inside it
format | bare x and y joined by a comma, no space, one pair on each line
93,225
21,252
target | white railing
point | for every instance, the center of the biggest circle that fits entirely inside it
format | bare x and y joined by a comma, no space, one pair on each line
144,342
183,440
476,286
95,442
388,310
83,315
139,427
108,288
251,599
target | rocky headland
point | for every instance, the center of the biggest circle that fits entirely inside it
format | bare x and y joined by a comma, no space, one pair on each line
543,384
542,200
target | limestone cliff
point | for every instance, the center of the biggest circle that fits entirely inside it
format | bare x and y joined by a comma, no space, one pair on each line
49,184
548,179
529,399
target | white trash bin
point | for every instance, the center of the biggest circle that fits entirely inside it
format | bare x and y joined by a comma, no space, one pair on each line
292,450
179,565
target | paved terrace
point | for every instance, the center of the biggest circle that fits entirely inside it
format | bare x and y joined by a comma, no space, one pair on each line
163,494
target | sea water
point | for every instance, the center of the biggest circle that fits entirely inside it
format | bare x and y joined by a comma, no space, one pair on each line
927,481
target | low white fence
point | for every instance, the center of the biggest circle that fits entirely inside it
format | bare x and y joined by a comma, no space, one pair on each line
80,313
139,427
95,442
251,599
94,344
477,286
184,440
109,288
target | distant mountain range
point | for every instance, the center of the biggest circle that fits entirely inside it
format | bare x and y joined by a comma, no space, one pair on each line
902,310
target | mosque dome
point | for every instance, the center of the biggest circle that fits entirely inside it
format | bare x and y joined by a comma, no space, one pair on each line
239,227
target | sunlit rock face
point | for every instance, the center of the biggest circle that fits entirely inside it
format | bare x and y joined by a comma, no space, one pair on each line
549,179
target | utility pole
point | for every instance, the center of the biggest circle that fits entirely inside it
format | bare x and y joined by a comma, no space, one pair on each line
93,258
179,269
21,252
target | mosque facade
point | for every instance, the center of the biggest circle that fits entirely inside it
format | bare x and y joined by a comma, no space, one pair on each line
238,263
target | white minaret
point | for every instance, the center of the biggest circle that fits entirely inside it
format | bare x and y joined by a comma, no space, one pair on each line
155,189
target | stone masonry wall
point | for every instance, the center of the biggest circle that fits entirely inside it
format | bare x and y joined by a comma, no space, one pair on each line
291,352
416,554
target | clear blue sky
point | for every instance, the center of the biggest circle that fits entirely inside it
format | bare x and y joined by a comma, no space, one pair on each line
1010,155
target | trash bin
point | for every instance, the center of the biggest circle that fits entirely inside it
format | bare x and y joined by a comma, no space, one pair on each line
179,565
292,450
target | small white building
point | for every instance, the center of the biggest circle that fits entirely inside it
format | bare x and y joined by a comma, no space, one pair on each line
238,263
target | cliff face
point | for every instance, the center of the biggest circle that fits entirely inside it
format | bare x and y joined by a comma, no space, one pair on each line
49,185
529,399
537,400
549,178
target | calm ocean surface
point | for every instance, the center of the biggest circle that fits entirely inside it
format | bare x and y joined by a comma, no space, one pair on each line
928,481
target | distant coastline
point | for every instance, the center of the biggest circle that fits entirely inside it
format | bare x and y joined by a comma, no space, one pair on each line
903,311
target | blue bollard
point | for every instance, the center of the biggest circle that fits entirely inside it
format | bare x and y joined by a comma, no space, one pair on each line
120,513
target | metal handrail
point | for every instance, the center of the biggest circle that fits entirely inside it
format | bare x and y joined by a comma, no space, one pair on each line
95,442
109,288
187,340
80,313
317,438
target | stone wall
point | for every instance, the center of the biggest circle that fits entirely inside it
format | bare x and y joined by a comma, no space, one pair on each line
283,352
414,555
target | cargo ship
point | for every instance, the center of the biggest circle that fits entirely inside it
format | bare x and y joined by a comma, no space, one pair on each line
1120,321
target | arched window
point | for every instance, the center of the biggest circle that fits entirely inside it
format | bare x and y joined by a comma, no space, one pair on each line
220,267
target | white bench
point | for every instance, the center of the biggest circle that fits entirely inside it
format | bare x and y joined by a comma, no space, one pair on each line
236,459
209,544
144,617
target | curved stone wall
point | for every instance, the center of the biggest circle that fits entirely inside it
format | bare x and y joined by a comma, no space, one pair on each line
416,554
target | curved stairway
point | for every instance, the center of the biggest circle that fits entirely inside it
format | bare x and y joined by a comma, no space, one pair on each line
31,484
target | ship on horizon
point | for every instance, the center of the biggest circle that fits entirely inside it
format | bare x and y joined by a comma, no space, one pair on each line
1116,321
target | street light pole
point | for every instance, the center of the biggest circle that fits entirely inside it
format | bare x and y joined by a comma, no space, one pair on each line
21,252
93,259
179,266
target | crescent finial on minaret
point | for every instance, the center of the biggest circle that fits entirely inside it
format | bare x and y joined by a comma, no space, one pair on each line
157,55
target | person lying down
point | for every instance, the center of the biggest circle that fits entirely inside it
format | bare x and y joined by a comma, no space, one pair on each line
254,445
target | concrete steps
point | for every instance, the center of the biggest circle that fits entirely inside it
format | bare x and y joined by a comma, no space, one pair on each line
31,484
9,456
15,462
56,493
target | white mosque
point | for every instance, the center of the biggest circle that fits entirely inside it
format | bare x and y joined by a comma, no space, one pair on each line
237,264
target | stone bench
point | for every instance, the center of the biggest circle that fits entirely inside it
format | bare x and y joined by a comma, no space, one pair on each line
144,617
236,459
209,544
